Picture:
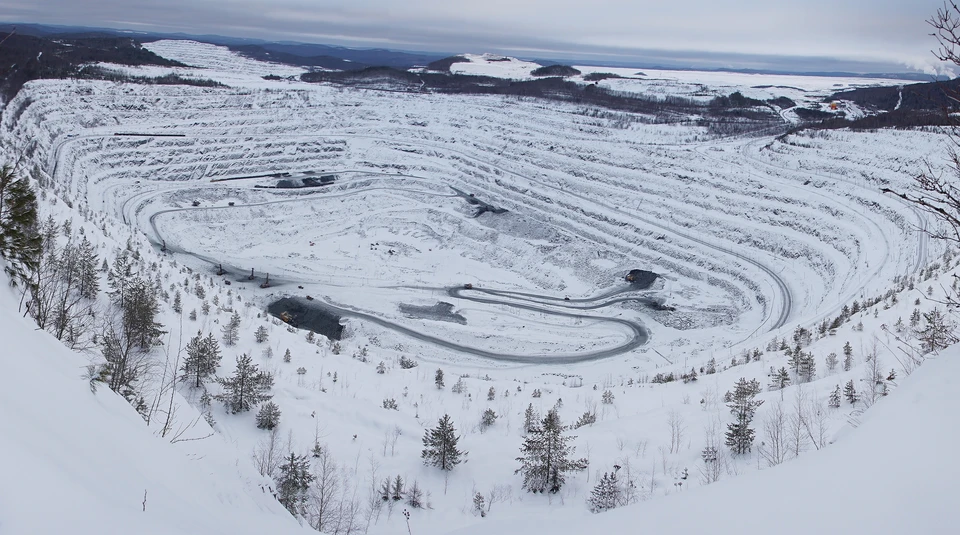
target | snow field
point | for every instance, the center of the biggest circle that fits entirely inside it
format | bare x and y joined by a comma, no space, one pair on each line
588,200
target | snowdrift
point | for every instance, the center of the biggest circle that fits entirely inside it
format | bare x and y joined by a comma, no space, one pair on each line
893,474
80,462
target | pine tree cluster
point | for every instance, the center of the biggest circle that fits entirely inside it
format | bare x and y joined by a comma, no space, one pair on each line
607,494
740,435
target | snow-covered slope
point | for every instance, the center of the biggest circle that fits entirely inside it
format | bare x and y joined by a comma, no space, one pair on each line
896,473
754,237
496,66
72,461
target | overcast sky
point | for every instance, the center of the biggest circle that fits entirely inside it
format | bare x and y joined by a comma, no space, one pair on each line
888,32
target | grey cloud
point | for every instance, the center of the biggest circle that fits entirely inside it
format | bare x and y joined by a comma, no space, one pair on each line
873,32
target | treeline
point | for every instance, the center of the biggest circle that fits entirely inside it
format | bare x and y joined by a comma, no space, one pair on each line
927,96
93,72
894,119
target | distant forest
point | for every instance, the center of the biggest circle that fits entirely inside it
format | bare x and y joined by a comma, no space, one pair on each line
24,58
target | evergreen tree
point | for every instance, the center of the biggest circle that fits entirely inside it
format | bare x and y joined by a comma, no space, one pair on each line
479,505
415,496
286,356
545,456
396,491
268,416
487,419
87,260
203,358
139,314
122,368
261,334
587,418
438,378
20,241
937,332
246,388
530,419
120,277
606,495
293,483
847,357
491,394
850,392
915,318
807,369
780,379
835,398
796,355
177,303
739,433
440,445
231,331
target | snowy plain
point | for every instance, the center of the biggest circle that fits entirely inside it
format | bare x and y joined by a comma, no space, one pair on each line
752,237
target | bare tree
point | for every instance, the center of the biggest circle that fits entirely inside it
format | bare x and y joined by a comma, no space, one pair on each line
713,454
324,495
873,384
935,191
817,423
268,453
677,428
797,433
773,448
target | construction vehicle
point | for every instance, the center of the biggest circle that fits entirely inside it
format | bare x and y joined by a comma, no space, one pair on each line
286,317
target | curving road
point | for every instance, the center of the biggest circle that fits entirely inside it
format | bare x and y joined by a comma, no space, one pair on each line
749,152
639,333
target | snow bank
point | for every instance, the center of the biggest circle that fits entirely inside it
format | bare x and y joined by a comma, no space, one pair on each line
78,462
895,473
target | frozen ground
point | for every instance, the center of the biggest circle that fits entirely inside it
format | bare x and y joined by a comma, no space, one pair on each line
752,237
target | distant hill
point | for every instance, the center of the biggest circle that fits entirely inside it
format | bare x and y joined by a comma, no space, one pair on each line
379,57
555,70
262,53
925,96
445,63
318,55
